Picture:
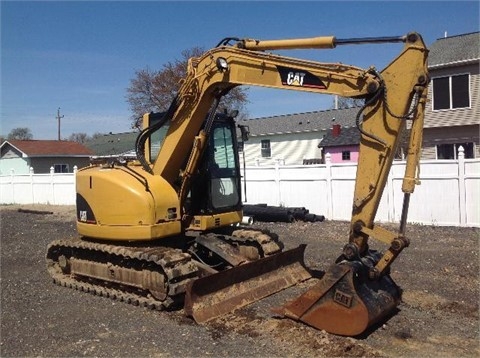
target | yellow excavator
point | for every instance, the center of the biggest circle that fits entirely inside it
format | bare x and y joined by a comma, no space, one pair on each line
165,230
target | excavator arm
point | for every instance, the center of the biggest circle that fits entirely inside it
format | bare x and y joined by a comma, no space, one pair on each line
389,96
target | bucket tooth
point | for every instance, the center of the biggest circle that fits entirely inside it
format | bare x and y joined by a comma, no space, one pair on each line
344,302
220,293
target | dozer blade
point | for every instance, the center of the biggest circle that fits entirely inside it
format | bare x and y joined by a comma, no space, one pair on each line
344,302
220,293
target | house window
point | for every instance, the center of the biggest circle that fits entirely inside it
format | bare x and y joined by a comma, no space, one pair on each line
266,150
346,155
60,168
451,92
450,151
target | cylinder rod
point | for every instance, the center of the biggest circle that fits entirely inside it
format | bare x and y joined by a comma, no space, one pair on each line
328,42
403,219
367,40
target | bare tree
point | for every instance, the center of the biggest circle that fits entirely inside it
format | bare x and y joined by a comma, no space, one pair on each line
153,90
79,137
97,135
20,134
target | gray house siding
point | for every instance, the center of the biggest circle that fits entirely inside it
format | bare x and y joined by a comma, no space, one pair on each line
21,165
453,56
43,165
457,116
10,153
456,134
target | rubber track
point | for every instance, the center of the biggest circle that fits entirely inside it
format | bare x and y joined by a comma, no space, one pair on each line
111,293
268,243
176,265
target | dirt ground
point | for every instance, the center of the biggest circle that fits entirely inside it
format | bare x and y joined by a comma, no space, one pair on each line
439,315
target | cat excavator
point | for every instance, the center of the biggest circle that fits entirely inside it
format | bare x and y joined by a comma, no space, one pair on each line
165,230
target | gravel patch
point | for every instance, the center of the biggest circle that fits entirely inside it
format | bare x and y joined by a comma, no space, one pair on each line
439,316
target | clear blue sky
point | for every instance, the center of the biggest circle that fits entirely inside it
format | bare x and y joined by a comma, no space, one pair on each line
81,56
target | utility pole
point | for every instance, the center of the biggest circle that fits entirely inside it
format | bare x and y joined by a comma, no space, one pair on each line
58,118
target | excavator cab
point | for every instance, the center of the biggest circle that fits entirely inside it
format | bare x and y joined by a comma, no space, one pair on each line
219,173
216,189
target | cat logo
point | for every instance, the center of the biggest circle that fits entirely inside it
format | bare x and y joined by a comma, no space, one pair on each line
296,78
82,215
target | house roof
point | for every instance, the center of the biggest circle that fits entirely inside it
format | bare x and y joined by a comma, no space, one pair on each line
347,136
301,122
122,143
454,49
113,144
49,148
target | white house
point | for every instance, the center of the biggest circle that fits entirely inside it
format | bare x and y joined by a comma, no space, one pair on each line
41,155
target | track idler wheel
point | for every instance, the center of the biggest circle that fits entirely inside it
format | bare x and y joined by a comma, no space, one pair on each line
345,302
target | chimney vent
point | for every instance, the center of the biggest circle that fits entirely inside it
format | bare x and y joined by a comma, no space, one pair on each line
336,130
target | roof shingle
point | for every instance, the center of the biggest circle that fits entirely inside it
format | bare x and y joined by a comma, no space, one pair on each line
113,144
35,148
302,122
347,136
455,49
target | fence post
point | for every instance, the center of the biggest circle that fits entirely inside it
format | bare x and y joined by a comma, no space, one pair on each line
12,174
328,166
52,186
277,183
461,186
75,170
32,191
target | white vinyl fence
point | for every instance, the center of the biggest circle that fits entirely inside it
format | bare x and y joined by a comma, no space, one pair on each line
52,188
448,195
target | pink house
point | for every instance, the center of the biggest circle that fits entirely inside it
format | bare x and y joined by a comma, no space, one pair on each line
342,143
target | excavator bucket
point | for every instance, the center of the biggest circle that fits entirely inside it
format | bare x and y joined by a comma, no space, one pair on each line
220,293
344,302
